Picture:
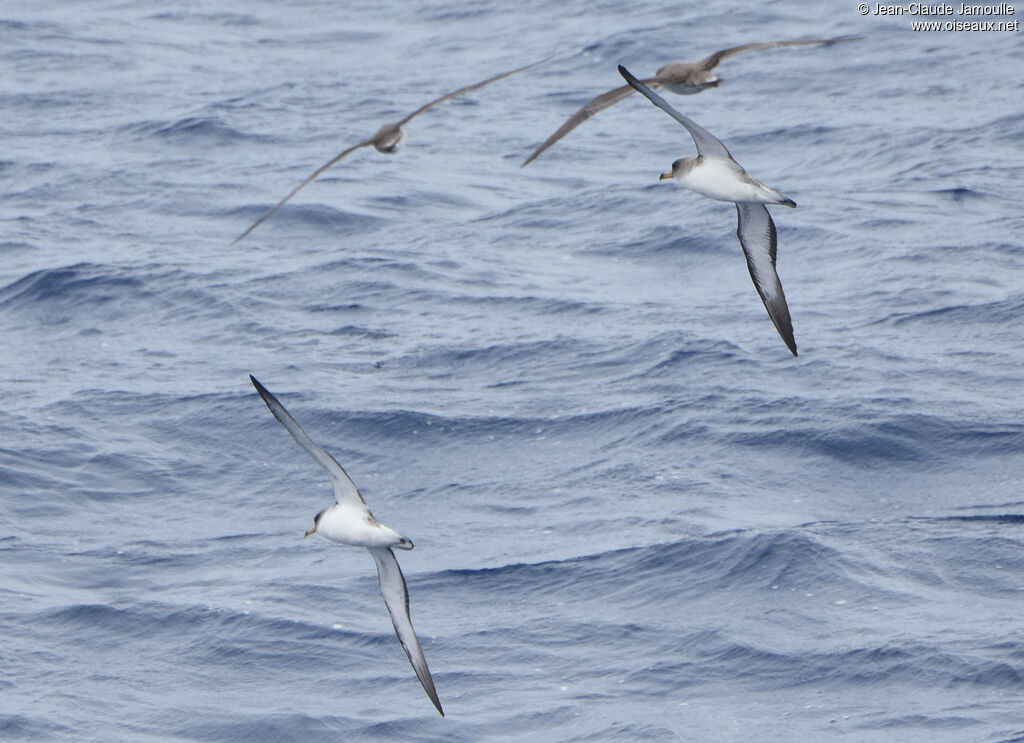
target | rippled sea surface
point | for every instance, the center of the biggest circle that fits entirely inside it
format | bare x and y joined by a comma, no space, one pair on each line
637,517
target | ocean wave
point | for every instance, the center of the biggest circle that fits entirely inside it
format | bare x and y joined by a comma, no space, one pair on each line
662,573
33,728
201,130
291,217
52,295
912,438
1004,311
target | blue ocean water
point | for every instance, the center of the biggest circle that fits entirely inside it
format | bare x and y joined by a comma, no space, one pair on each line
636,516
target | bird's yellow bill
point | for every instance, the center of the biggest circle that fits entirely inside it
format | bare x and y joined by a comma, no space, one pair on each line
665,176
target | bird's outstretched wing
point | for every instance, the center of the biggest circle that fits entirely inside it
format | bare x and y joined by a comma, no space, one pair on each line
299,187
588,109
466,89
707,143
370,141
344,488
711,61
396,596
756,232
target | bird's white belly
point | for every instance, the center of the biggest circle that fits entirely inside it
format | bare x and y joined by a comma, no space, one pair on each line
356,527
721,180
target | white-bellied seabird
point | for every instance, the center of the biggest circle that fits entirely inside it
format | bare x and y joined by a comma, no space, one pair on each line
349,521
685,78
713,173
386,140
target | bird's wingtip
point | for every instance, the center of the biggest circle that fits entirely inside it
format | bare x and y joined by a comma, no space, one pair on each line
259,386
629,77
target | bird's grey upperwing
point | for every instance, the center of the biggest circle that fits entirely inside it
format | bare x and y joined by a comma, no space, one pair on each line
396,596
707,144
587,110
299,187
344,488
756,232
467,89
711,61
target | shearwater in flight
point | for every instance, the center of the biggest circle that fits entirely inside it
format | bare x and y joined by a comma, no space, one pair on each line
684,78
350,522
714,173
386,140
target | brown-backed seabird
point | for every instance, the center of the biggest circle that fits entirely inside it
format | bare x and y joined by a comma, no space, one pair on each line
685,78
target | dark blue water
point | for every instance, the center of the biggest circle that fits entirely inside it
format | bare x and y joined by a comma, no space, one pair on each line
636,516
